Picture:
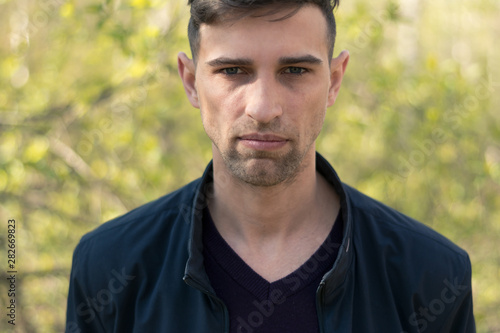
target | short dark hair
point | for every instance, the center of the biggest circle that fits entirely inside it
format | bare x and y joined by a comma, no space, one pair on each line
216,11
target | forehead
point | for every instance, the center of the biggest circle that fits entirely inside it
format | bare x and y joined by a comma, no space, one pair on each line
267,37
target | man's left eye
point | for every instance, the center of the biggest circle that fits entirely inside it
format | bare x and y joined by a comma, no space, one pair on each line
295,70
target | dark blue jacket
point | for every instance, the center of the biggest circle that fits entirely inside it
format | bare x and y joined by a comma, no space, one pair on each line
143,272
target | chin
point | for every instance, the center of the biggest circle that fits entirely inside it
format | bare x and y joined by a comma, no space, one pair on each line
264,171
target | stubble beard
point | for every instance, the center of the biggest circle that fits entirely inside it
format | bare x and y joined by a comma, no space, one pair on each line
264,169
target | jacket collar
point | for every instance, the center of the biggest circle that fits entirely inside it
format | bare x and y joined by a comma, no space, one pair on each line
337,275
195,274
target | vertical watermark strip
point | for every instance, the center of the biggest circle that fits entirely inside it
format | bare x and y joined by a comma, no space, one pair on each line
11,271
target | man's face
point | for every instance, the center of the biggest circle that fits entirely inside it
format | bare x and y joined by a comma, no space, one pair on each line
263,88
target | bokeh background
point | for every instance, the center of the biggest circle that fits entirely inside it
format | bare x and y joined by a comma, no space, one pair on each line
94,122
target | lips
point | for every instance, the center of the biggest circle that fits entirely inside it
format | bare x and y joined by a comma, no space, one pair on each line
262,137
261,141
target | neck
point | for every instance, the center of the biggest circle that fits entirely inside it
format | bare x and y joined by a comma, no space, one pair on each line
254,215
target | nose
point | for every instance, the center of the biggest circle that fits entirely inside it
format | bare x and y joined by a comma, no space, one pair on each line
263,100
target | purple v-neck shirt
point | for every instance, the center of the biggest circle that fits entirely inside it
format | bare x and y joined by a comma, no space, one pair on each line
287,305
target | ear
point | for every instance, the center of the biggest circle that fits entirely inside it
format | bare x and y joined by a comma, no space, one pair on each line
337,70
187,72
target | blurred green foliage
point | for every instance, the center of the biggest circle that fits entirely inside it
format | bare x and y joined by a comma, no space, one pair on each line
94,122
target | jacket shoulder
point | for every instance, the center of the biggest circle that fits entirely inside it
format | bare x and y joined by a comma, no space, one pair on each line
140,243
414,267
160,224
402,247
386,221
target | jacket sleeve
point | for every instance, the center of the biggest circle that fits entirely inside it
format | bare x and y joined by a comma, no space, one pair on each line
82,314
461,319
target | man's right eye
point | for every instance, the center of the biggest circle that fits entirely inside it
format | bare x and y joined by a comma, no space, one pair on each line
231,70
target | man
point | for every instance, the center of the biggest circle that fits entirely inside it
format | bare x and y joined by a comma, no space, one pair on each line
269,239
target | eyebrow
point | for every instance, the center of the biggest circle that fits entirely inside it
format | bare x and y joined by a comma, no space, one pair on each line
225,61
310,59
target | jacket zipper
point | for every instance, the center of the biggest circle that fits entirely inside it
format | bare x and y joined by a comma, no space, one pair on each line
193,283
319,302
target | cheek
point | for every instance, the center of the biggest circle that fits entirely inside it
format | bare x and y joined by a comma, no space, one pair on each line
210,104
217,111
311,113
